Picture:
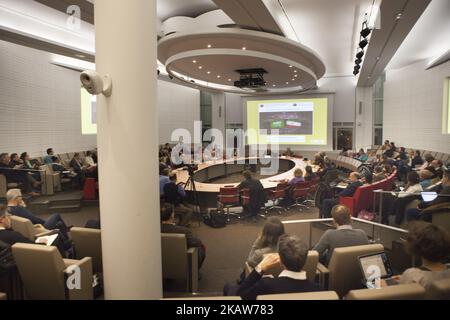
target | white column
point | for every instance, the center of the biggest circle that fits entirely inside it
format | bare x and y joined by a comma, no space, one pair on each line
127,146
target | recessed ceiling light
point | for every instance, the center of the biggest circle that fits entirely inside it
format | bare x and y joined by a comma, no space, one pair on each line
194,61
290,66
293,79
274,85
399,16
218,77
287,82
378,58
295,71
209,46
244,48
295,75
200,67
229,79
208,72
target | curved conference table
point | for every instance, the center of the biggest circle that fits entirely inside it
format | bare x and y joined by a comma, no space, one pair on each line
207,191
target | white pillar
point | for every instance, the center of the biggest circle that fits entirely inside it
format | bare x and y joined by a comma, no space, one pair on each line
127,147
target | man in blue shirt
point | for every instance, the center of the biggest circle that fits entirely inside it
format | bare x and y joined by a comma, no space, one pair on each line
48,158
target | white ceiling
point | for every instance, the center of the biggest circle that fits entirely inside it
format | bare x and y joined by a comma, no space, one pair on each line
191,8
328,27
428,39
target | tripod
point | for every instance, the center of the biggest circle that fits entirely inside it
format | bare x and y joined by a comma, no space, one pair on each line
190,186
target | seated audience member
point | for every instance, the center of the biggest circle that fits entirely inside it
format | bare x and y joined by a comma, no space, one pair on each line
432,244
17,207
162,164
438,167
298,177
48,157
343,236
416,159
428,160
426,177
17,176
25,157
386,145
163,180
89,160
367,178
15,161
322,168
292,254
90,166
378,174
266,242
389,153
288,153
168,226
309,174
174,194
257,194
344,152
8,235
362,156
395,205
328,204
78,168
402,155
424,209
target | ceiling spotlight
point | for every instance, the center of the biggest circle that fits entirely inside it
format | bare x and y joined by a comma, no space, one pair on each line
274,85
360,54
365,32
244,48
194,61
358,61
287,82
229,80
290,66
209,46
398,16
200,67
208,72
295,71
218,77
295,75
363,43
378,58
355,72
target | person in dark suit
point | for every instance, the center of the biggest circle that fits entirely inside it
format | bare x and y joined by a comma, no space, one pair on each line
292,254
79,169
8,235
328,204
174,194
257,194
168,226
424,209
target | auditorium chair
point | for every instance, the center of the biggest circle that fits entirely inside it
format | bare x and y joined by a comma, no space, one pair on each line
228,198
178,261
28,229
88,243
5,186
439,290
45,274
343,272
300,195
276,195
310,267
320,295
411,291
2,296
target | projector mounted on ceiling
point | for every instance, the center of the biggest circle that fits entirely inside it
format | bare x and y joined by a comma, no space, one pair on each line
251,78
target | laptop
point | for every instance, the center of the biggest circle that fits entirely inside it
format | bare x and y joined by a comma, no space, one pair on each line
374,267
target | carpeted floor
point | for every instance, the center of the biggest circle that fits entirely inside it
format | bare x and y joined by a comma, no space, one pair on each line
227,248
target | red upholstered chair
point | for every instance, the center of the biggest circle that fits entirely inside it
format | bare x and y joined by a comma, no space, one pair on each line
275,196
314,185
228,198
246,200
300,195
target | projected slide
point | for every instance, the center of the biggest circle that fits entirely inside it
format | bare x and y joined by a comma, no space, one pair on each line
301,121
88,113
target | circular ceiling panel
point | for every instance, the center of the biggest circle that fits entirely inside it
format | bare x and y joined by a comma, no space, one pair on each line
210,59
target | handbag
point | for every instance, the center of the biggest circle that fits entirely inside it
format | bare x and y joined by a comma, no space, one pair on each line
6,257
366,215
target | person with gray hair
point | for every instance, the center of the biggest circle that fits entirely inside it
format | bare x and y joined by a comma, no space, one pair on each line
17,207
291,256
7,235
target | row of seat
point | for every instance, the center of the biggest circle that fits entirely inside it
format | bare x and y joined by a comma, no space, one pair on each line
347,163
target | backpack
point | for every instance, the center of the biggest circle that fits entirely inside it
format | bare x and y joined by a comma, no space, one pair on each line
6,258
215,219
366,215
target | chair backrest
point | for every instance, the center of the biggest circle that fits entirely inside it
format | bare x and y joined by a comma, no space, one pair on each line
3,186
310,266
174,256
345,272
320,295
439,290
23,226
88,243
411,291
228,195
301,190
41,269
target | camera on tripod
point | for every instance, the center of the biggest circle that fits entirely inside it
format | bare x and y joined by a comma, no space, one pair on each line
191,168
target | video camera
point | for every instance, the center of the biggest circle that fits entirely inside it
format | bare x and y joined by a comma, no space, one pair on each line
191,168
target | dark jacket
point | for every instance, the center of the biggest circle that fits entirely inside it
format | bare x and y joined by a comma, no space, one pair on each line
75,165
192,241
11,237
24,213
173,194
255,285
257,195
351,189
416,161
